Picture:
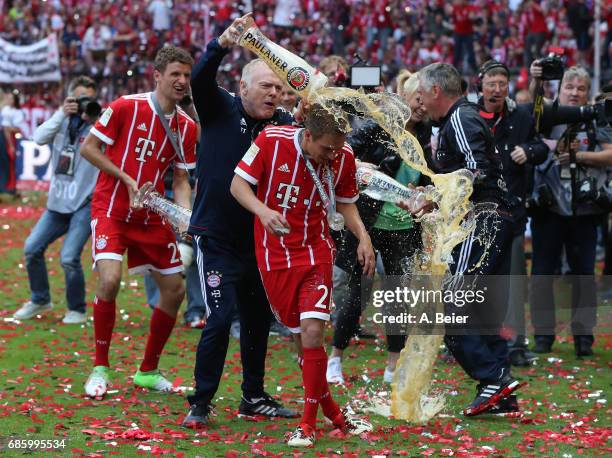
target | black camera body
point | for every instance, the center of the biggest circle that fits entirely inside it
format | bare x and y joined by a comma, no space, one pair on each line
552,67
89,106
588,192
541,199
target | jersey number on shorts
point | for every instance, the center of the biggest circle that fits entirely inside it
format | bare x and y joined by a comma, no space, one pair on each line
320,303
175,250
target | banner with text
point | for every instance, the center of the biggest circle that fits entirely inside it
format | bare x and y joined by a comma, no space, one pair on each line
30,63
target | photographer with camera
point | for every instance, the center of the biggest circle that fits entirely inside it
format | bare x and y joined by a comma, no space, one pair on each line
520,148
69,204
570,198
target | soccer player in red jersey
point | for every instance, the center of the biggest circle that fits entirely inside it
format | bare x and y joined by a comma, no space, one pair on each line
304,178
137,149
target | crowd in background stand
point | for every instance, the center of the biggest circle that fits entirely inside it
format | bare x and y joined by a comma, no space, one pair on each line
115,41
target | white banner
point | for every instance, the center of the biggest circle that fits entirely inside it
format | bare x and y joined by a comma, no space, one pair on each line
30,63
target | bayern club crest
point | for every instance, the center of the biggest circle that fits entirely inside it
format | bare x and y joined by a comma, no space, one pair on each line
213,280
101,242
298,78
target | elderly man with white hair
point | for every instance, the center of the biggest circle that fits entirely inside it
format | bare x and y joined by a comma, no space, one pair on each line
223,230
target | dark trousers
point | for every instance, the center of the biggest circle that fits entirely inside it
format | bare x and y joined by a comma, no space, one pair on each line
230,278
480,350
6,165
533,47
551,234
393,247
463,43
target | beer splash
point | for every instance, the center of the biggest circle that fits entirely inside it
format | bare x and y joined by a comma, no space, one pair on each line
442,229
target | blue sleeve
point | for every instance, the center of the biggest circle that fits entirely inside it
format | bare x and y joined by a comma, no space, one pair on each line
208,98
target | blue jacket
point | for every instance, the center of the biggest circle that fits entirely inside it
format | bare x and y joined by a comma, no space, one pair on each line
227,133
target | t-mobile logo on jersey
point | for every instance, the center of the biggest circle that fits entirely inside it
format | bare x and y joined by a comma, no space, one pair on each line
285,192
144,147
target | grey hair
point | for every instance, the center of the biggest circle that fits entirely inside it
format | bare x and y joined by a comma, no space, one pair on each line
83,81
247,70
443,75
577,72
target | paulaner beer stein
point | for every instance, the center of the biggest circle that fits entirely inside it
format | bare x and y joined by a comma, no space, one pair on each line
293,70
379,186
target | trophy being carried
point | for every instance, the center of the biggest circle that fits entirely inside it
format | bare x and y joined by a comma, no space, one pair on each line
174,214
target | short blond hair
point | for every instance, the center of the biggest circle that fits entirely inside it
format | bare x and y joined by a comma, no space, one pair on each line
400,79
411,84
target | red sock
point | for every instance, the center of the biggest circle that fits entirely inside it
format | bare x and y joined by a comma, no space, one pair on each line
160,329
104,322
313,374
329,406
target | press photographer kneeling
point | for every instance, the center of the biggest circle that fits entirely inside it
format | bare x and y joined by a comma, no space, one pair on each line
569,201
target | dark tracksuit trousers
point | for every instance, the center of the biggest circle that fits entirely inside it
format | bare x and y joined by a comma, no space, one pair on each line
478,347
230,278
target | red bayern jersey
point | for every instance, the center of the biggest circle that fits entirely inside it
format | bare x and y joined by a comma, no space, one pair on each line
137,143
275,164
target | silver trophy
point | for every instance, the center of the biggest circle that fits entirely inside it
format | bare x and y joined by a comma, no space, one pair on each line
176,215
379,186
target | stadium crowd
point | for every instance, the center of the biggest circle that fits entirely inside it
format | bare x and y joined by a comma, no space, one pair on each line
115,42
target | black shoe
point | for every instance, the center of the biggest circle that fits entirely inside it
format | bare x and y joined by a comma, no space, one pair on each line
507,407
530,356
266,406
583,347
198,416
542,347
279,329
517,357
489,394
363,334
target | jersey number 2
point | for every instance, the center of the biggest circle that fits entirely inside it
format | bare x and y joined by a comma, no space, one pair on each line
320,304
175,250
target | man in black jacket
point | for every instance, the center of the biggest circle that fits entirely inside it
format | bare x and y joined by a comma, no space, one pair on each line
465,141
223,229
521,148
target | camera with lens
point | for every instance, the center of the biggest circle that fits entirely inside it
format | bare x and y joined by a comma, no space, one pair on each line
555,114
588,192
552,67
542,198
89,106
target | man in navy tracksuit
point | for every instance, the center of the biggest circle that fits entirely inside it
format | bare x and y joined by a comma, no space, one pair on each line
223,229
466,142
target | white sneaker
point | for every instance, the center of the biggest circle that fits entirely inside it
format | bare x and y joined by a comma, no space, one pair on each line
74,317
356,425
334,370
30,309
388,377
97,382
303,436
